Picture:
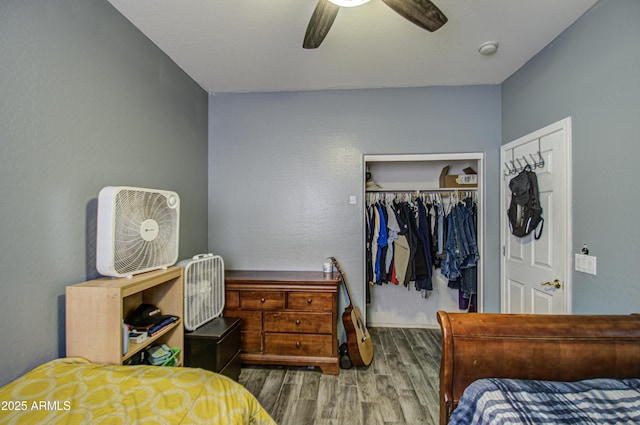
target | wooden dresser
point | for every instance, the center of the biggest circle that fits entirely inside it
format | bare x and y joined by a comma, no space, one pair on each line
288,317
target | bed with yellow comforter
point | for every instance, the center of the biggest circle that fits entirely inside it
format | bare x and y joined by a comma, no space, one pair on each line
75,391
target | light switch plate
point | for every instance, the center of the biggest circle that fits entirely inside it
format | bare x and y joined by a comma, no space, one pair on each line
586,263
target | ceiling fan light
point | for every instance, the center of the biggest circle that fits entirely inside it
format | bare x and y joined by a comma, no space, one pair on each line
349,3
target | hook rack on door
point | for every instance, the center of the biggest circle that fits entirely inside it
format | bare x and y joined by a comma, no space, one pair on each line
519,164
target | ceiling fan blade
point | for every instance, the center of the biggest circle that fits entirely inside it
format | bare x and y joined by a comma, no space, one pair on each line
423,13
321,20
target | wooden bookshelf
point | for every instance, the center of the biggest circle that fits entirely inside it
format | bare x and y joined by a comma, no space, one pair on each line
96,309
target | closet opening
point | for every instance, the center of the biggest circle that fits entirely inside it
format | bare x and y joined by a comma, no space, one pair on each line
410,270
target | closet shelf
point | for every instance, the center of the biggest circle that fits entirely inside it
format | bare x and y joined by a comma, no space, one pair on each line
414,190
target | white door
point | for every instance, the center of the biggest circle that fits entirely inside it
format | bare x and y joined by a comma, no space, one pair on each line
536,274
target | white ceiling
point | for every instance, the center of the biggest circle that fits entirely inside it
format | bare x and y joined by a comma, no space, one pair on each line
256,45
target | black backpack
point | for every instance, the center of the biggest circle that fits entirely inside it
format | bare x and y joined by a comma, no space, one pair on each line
525,212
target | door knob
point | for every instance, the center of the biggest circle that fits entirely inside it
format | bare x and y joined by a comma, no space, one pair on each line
556,283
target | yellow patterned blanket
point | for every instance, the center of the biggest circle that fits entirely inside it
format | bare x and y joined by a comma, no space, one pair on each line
75,391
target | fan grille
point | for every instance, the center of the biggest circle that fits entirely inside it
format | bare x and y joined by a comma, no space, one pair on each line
203,290
145,232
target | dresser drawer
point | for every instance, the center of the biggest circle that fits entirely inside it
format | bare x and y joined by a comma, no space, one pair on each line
262,300
300,322
251,341
310,301
232,299
298,344
213,345
251,319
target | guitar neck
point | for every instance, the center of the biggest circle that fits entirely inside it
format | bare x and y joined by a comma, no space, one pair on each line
344,279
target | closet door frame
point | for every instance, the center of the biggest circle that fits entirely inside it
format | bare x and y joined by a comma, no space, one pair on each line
436,157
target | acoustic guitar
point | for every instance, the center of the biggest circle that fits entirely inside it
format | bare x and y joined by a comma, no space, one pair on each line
359,342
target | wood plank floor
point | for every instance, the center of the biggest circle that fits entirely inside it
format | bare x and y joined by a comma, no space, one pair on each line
400,387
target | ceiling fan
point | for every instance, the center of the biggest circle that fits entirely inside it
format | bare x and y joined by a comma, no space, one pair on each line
423,13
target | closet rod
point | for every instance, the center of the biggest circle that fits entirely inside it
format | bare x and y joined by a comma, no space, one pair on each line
372,197
443,192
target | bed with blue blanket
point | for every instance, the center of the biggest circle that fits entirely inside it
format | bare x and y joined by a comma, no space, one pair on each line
515,401
539,369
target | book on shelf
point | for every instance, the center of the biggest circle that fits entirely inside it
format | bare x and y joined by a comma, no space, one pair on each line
159,326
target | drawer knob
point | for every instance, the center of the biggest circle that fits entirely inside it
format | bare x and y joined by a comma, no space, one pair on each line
297,321
262,300
297,344
309,301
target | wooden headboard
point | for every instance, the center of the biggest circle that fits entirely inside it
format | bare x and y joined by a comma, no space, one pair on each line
544,347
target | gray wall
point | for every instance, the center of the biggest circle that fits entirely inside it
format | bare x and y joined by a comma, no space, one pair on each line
591,73
86,102
283,165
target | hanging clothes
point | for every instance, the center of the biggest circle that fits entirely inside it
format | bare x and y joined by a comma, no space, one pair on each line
406,242
368,229
402,248
380,274
439,231
393,228
459,265
423,256
374,241
406,214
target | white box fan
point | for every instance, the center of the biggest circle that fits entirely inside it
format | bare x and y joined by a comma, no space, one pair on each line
137,230
203,289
